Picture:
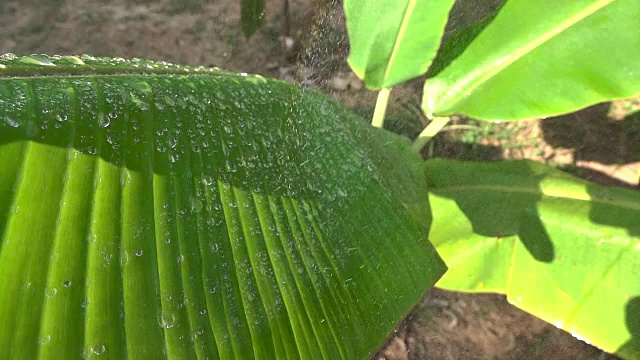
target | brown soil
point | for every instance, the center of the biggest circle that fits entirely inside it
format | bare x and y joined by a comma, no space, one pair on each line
448,325
444,325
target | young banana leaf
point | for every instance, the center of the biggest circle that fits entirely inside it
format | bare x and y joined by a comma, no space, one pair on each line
558,247
149,211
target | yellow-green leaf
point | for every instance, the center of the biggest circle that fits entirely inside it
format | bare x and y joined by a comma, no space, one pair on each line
394,41
540,59
560,248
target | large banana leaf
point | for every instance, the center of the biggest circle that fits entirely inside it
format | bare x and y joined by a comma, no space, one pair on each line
394,41
155,211
540,59
558,247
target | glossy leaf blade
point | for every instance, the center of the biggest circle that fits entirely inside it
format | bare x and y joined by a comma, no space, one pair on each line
156,211
538,60
392,42
560,248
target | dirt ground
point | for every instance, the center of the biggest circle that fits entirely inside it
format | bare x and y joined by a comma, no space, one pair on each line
444,325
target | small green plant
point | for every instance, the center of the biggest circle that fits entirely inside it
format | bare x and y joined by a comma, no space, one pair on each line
149,210
251,15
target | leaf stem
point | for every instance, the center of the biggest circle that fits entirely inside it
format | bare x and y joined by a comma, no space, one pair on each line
381,108
429,132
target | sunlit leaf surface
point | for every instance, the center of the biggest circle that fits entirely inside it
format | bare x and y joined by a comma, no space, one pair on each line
542,59
560,248
394,41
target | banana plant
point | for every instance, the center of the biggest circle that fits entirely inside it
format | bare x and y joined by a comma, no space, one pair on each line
149,211
563,249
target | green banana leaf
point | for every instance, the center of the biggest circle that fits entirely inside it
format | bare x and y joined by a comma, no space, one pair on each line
251,16
152,211
459,37
560,248
392,42
539,59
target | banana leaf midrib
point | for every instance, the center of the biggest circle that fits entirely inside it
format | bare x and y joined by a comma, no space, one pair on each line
542,191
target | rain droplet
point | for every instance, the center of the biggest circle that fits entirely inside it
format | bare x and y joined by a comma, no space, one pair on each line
99,350
42,60
50,292
196,205
11,121
73,60
139,102
139,252
168,321
66,283
8,56
207,180
169,100
104,120
44,340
